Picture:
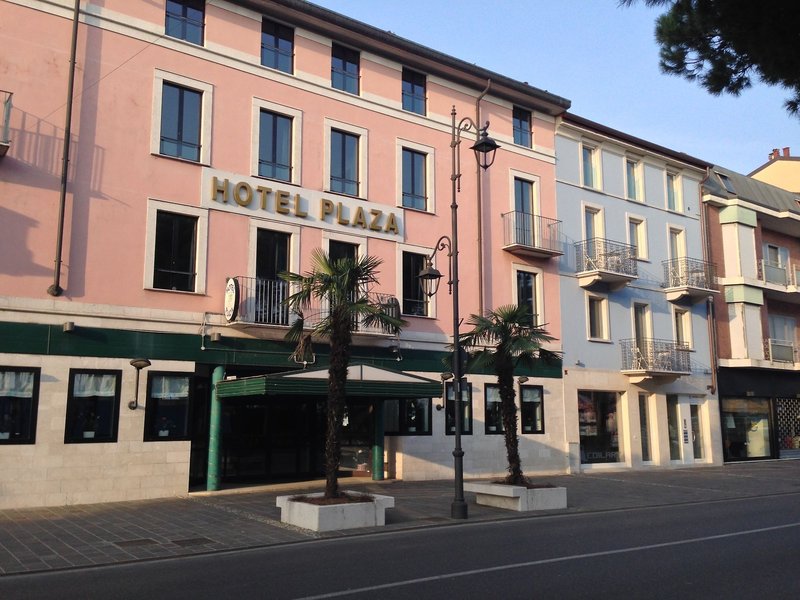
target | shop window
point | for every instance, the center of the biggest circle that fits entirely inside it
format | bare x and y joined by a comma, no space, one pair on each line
532,408
19,399
168,409
746,428
92,406
598,426
407,416
493,415
184,20
466,407
277,46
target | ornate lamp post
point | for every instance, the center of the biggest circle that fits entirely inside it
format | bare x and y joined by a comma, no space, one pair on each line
485,149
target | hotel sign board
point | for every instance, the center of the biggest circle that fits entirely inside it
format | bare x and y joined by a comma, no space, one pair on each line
255,197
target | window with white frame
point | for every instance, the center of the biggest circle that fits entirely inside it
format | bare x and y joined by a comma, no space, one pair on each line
345,69
677,244
184,20
346,167
597,317
632,186
637,237
673,192
415,179
19,402
413,91
415,302
277,141
589,166
683,326
277,45
521,122
181,126
527,294
176,242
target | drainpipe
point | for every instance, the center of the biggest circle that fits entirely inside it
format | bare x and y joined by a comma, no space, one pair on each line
56,289
710,314
480,203
214,431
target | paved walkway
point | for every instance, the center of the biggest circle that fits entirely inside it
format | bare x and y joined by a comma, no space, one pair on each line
75,536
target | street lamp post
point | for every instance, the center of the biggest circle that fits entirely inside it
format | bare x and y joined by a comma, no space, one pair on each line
485,149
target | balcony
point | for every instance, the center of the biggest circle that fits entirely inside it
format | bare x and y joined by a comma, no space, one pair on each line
598,260
5,120
689,278
525,234
651,358
262,302
780,281
781,351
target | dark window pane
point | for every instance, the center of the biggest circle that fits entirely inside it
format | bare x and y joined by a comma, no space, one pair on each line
19,400
277,46
344,69
174,261
184,20
413,92
522,127
344,163
466,409
414,180
532,409
92,406
180,122
275,146
493,410
526,293
167,413
414,300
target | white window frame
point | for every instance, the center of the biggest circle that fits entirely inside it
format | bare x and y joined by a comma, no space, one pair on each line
648,320
676,188
260,104
595,157
207,102
534,180
361,242
201,249
294,242
432,301
606,322
599,220
637,179
681,241
538,292
641,243
363,146
430,172
686,325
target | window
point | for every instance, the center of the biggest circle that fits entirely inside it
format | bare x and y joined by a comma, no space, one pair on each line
676,248
521,122
589,168
592,223
727,183
414,180
523,206
19,400
632,179
407,416
637,237
92,406
338,250
275,146
272,259
526,294
683,326
532,408
415,302
277,46
344,69
413,91
641,326
175,265
344,162
598,427
673,199
180,122
184,20
466,408
167,414
597,318
644,427
493,416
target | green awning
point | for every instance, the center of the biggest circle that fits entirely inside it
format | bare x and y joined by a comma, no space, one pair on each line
362,380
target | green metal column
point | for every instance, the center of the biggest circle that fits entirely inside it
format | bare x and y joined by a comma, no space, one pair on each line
377,448
214,429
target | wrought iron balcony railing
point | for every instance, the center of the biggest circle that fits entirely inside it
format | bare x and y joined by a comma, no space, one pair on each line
598,254
532,232
686,272
5,121
655,356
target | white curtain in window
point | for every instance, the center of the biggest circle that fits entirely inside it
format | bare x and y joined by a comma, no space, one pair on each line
91,384
16,384
170,387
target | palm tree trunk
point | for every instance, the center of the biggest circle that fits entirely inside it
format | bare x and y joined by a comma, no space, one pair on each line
508,412
337,395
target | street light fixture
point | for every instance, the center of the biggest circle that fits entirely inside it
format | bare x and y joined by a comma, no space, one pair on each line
485,149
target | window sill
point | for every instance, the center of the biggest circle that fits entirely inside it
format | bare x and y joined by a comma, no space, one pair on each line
600,340
153,289
416,210
179,159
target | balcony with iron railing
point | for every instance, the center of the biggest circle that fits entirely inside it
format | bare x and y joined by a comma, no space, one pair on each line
526,234
5,121
648,358
780,280
599,260
781,351
689,278
262,302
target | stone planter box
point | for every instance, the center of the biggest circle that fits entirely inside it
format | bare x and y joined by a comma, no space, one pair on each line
334,517
517,497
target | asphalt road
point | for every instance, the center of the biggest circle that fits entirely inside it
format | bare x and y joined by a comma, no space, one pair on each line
745,548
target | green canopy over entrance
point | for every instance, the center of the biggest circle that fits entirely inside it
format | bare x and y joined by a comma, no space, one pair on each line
362,380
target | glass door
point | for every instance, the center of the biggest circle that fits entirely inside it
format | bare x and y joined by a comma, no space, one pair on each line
687,429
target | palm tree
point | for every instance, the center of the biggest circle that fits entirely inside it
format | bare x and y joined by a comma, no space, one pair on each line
341,285
502,339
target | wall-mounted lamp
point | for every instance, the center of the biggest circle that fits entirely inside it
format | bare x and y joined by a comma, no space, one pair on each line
523,379
138,364
215,337
68,327
446,376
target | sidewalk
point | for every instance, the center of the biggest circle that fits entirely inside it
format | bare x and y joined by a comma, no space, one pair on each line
76,536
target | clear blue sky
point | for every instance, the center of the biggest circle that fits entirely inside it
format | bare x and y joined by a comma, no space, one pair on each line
601,57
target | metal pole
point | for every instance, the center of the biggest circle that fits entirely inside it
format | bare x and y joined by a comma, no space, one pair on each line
377,446
214,428
458,509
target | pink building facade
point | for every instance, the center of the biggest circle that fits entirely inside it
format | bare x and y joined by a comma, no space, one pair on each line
213,146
